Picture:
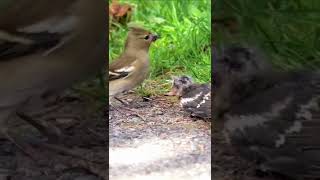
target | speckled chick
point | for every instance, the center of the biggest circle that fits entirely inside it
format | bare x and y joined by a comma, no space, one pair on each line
194,98
270,117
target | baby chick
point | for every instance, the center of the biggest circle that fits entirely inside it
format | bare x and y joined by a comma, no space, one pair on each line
194,98
45,47
269,117
132,67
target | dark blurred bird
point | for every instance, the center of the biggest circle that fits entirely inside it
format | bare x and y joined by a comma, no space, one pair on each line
270,117
46,46
194,98
132,67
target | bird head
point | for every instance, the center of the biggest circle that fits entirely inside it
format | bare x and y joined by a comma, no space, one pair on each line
237,71
239,65
140,39
179,84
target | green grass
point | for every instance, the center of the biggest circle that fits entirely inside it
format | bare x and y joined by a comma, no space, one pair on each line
184,47
288,30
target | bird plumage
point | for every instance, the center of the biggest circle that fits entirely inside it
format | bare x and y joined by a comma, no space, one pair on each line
47,46
132,66
272,117
194,98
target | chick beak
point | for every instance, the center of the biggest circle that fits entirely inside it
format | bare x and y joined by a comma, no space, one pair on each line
173,92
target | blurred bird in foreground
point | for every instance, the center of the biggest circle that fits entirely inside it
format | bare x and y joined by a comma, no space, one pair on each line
132,67
45,47
270,117
194,98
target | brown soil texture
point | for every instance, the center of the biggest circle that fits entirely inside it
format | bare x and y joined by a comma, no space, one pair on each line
81,155
148,139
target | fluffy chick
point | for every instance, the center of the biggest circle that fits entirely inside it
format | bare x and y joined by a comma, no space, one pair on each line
269,117
194,98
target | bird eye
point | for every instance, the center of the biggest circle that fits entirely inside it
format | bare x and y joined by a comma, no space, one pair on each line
146,37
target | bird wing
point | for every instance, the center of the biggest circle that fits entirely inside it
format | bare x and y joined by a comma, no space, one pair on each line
203,108
41,32
118,69
198,101
280,128
12,45
48,45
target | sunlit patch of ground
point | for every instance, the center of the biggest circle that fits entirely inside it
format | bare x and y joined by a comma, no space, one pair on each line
161,142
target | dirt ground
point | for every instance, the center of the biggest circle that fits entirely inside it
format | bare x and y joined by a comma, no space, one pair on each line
148,139
154,139
226,164
82,156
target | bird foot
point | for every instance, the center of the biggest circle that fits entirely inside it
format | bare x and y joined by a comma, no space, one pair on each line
122,101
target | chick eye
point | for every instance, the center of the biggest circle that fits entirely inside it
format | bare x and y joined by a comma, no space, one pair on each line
146,37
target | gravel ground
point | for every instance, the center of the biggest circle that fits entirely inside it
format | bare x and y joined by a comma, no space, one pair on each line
154,139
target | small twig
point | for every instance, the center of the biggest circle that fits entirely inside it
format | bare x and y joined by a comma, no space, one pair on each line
146,98
47,129
30,155
135,113
140,116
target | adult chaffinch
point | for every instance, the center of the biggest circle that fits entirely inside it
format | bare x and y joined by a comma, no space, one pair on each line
132,66
46,46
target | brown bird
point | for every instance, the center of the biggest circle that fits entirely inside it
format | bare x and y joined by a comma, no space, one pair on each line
47,46
270,117
132,67
194,98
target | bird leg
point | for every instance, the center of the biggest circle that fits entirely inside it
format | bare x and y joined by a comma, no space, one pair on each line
121,101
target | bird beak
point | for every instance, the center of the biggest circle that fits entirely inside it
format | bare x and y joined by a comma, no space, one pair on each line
173,92
155,37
